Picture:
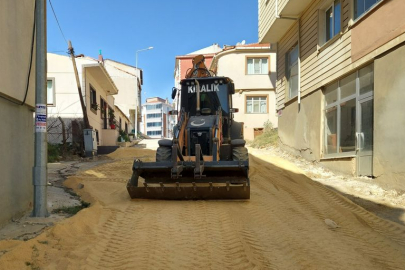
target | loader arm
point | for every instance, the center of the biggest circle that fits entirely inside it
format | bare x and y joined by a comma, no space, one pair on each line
199,69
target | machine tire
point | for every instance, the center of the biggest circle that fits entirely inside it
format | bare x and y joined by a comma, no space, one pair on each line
240,153
163,154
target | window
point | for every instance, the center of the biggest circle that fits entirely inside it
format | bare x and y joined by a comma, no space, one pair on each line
257,66
153,115
154,124
50,91
292,72
153,107
362,6
256,104
111,116
341,109
93,100
103,108
154,133
332,20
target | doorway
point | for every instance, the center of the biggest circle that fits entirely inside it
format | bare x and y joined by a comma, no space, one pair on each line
364,136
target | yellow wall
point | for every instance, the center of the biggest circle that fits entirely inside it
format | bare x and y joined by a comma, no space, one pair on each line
16,27
17,129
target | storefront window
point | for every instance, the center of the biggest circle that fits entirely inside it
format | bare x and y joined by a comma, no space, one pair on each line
348,126
341,101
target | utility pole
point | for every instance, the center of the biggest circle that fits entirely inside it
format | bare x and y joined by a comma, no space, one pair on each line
137,90
79,88
40,178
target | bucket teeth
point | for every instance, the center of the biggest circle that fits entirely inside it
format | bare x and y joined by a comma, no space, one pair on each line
178,186
210,183
227,185
194,186
162,186
146,187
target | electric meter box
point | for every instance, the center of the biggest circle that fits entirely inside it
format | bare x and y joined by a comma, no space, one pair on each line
90,142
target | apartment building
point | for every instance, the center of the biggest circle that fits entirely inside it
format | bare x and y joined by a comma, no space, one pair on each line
340,77
156,121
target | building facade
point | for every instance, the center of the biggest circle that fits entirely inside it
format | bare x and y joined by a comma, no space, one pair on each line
340,77
156,121
17,106
97,89
128,80
252,68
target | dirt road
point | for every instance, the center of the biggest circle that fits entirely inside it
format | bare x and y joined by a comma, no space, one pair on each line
282,226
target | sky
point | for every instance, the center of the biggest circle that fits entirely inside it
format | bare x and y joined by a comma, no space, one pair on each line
173,27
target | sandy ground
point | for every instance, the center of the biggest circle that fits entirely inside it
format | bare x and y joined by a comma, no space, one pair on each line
290,222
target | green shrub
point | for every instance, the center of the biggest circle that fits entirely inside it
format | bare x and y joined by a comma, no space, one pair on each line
268,138
53,152
123,135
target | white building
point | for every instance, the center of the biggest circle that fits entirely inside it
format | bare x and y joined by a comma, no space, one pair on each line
128,80
64,103
156,121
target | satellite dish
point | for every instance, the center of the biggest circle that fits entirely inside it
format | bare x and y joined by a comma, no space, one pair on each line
243,42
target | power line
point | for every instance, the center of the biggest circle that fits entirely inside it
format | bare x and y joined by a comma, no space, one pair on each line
57,21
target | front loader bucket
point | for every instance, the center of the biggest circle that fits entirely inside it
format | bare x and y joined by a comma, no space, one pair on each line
220,180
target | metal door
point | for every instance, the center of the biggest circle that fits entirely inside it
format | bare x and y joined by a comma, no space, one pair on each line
364,137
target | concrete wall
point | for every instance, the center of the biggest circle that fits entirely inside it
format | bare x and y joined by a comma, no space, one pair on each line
342,165
389,118
17,160
300,130
17,128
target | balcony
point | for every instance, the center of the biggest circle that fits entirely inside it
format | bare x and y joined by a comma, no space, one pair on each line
271,28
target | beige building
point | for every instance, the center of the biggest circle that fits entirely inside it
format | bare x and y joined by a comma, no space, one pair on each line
17,106
252,68
340,81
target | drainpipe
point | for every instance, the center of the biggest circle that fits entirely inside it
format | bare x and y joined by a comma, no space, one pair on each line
278,16
299,64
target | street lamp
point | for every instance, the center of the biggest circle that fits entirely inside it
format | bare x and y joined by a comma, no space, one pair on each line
137,90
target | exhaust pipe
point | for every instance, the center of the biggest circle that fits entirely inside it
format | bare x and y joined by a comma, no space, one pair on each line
197,90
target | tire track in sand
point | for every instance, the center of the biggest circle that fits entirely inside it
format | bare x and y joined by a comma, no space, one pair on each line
281,227
318,202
